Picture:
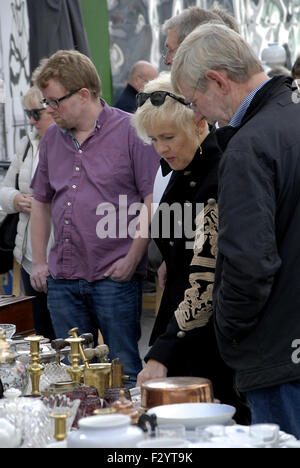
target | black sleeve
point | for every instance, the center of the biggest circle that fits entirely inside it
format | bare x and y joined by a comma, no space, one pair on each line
196,308
246,243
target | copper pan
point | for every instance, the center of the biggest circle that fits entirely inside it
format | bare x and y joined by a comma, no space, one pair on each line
171,390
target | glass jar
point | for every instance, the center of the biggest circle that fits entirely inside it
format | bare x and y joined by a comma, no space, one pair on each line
13,373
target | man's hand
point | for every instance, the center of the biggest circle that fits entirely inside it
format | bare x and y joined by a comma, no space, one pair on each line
122,270
38,277
152,370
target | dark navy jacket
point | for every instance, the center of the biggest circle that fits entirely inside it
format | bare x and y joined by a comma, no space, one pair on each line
257,283
127,100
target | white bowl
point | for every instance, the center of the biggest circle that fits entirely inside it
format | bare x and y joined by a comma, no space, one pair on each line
192,415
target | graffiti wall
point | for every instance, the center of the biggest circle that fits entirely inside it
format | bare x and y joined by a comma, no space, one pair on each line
14,74
30,30
135,28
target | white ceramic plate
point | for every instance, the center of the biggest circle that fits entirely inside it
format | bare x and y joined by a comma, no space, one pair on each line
192,415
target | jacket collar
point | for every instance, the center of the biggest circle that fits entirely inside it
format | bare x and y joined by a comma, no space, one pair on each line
165,168
205,156
276,86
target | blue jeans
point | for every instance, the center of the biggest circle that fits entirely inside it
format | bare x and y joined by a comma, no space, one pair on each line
278,405
111,306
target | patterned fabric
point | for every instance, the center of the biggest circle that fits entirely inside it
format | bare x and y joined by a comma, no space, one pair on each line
187,299
196,308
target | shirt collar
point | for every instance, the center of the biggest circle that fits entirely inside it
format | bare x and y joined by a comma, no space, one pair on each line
97,126
238,116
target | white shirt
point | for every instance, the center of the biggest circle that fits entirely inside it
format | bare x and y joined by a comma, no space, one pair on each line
160,185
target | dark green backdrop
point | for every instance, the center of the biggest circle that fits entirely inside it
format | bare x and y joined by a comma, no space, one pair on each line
95,17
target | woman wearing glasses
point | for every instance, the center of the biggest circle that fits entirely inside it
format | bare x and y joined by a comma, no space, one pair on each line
23,167
184,228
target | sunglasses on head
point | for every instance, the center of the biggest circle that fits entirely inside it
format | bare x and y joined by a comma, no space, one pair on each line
157,98
34,113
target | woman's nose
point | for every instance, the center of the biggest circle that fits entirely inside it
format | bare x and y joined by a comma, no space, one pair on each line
162,148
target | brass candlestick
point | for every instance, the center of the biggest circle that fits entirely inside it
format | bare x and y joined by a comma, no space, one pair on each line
74,333
60,425
75,370
35,368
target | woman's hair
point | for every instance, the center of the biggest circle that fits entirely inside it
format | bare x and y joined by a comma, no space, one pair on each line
72,69
213,47
32,99
171,111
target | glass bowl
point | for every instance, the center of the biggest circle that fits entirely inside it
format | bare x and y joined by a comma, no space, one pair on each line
9,329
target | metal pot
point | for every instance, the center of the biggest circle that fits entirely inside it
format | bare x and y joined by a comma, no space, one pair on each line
171,390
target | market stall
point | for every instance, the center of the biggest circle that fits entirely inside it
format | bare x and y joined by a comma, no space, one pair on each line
68,394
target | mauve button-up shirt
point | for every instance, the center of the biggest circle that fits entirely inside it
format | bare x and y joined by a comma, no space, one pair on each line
85,185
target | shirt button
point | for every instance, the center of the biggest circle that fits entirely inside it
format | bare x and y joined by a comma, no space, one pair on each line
193,184
77,168
74,186
67,222
69,203
181,334
171,243
80,151
67,240
186,173
211,201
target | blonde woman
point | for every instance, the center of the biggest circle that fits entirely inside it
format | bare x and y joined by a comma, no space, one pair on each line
13,200
185,229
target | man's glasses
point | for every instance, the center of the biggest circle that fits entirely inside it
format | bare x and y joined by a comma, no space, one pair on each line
54,103
170,53
34,113
157,98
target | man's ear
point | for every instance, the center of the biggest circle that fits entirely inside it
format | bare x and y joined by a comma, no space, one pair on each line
84,93
219,78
